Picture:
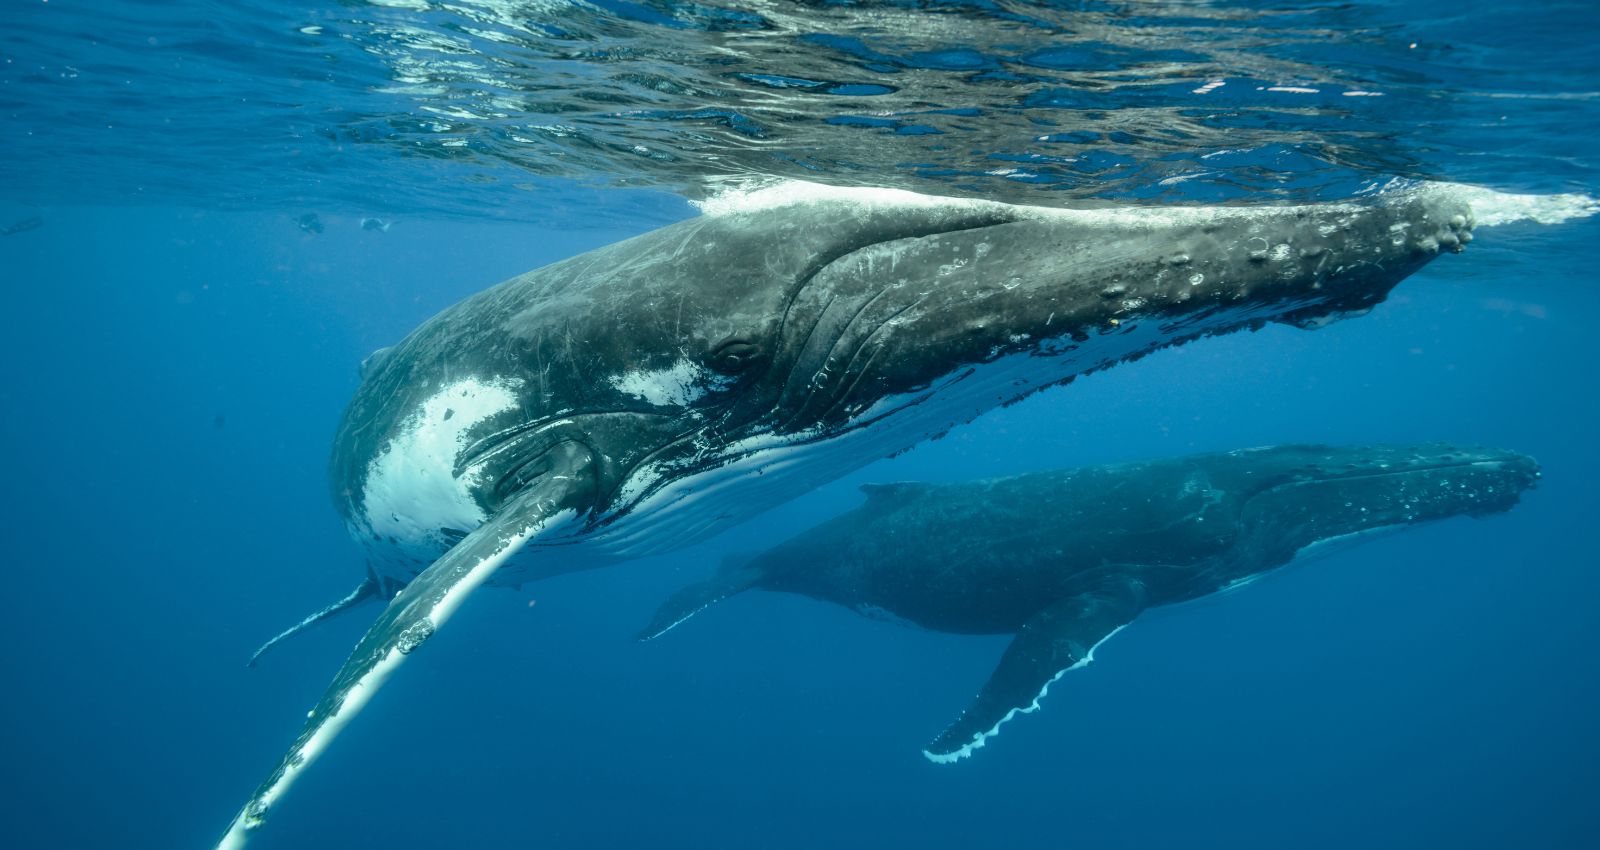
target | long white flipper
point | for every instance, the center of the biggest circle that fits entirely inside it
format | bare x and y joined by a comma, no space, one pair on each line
410,619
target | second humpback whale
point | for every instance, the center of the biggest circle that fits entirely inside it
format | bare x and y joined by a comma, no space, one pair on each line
646,395
1065,559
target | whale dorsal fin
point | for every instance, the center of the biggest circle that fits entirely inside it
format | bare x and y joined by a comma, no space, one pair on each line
1062,637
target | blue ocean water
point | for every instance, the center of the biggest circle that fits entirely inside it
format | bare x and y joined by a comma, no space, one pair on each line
180,339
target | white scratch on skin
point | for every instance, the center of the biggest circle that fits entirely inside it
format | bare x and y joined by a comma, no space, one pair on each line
681,383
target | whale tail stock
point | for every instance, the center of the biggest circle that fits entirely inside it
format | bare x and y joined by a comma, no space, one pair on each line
735,575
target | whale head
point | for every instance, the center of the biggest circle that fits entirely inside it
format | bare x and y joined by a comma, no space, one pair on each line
1310,500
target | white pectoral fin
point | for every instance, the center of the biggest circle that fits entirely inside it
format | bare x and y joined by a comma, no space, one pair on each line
410,619
1060,638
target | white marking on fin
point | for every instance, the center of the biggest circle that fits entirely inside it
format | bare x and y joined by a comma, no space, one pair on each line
367,588
979,739
1339,542
675,623
254,813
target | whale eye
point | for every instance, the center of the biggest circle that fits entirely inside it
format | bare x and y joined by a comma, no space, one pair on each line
734,356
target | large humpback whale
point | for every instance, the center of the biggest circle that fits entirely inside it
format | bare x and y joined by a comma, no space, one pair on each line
1065,559
646,395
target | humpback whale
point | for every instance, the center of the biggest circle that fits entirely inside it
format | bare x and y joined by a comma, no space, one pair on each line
648,394
1065,559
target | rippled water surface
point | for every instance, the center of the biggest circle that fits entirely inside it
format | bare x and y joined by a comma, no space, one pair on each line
496,108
